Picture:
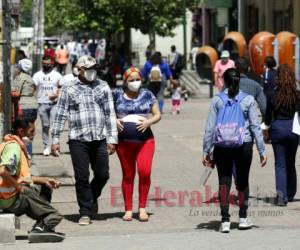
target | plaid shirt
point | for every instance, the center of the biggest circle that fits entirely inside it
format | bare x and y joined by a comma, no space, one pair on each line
90,111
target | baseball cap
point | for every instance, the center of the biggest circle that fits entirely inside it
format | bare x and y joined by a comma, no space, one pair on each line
25,65
225,54
87,62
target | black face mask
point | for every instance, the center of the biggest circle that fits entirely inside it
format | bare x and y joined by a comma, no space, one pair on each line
47,68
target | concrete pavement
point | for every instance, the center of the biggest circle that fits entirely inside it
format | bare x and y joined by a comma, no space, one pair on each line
183,214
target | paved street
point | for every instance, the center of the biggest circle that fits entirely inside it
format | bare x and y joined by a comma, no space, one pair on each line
183,214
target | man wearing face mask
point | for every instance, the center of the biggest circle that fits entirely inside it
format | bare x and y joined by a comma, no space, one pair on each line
220,67
47,84
89,107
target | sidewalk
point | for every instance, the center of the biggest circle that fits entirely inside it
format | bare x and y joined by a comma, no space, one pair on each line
183,214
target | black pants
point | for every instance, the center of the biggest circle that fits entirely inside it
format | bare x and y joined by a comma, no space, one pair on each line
35,207
84,154
225,158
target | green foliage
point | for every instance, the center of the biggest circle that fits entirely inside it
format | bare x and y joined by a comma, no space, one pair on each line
26,13
108,17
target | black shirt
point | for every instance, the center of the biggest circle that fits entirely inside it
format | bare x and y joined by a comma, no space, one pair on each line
282,113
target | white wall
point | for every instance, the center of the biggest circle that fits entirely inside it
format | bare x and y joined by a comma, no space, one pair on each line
163,44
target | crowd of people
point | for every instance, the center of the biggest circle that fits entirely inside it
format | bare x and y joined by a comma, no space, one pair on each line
104,120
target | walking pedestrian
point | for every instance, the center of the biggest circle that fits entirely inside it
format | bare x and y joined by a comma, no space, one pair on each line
250,86
231,127
282,103
176,93
17,194
47,84
137,110
88,105
23,85
270,74
157,72
62,59
220,67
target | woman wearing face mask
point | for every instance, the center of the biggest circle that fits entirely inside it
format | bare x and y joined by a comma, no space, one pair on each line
134,106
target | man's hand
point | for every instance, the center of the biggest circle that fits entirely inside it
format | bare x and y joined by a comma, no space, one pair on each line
263,160
143,124
53,183
55,149
111,148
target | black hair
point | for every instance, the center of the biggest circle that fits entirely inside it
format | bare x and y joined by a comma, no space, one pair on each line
270,62
156,58
19,123
242,65
232,81
173,48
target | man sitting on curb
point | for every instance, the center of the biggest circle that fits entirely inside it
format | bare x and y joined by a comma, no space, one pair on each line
17,194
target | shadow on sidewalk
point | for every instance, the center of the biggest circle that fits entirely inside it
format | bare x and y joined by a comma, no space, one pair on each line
107,216
214,226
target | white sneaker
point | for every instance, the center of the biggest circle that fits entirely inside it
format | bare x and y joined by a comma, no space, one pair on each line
46,151
245,223
225,227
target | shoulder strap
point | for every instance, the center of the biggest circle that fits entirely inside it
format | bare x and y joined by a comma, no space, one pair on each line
241,96
223,97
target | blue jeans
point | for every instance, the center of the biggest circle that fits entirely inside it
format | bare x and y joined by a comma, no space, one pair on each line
285,144
47,113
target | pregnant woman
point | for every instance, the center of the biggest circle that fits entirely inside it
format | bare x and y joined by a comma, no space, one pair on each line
137,109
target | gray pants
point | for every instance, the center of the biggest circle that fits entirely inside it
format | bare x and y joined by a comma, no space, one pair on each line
30,203
47,113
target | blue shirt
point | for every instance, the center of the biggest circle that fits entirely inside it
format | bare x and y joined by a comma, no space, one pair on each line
141,106
252,124
164,67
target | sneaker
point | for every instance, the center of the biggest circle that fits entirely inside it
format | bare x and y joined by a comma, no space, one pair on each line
46,151
245,223
225,227
41,235
84,221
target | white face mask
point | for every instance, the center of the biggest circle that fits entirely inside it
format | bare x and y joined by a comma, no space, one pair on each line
134,86
26,140
90,75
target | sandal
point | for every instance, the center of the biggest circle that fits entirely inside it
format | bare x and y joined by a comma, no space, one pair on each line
127,216
143,216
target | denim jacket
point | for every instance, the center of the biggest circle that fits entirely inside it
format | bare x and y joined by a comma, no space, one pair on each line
252,124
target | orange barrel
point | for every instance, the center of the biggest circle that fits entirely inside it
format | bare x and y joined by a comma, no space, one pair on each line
286,48
235,43
260,46
205,61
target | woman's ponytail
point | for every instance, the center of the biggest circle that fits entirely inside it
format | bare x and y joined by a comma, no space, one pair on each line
232,81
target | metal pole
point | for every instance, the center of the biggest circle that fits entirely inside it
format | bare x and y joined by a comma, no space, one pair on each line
5,88
203,24
184,33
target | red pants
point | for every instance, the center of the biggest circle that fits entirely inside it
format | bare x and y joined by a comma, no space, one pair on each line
130,155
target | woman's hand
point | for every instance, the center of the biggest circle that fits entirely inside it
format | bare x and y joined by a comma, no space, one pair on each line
120,125
263,160
207,161
143,124
53,97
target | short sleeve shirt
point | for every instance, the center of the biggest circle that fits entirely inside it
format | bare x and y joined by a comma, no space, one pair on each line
47,85
139,106
125,108
220,69
10,158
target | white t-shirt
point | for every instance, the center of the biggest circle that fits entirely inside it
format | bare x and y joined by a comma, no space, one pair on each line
67,79
46,85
